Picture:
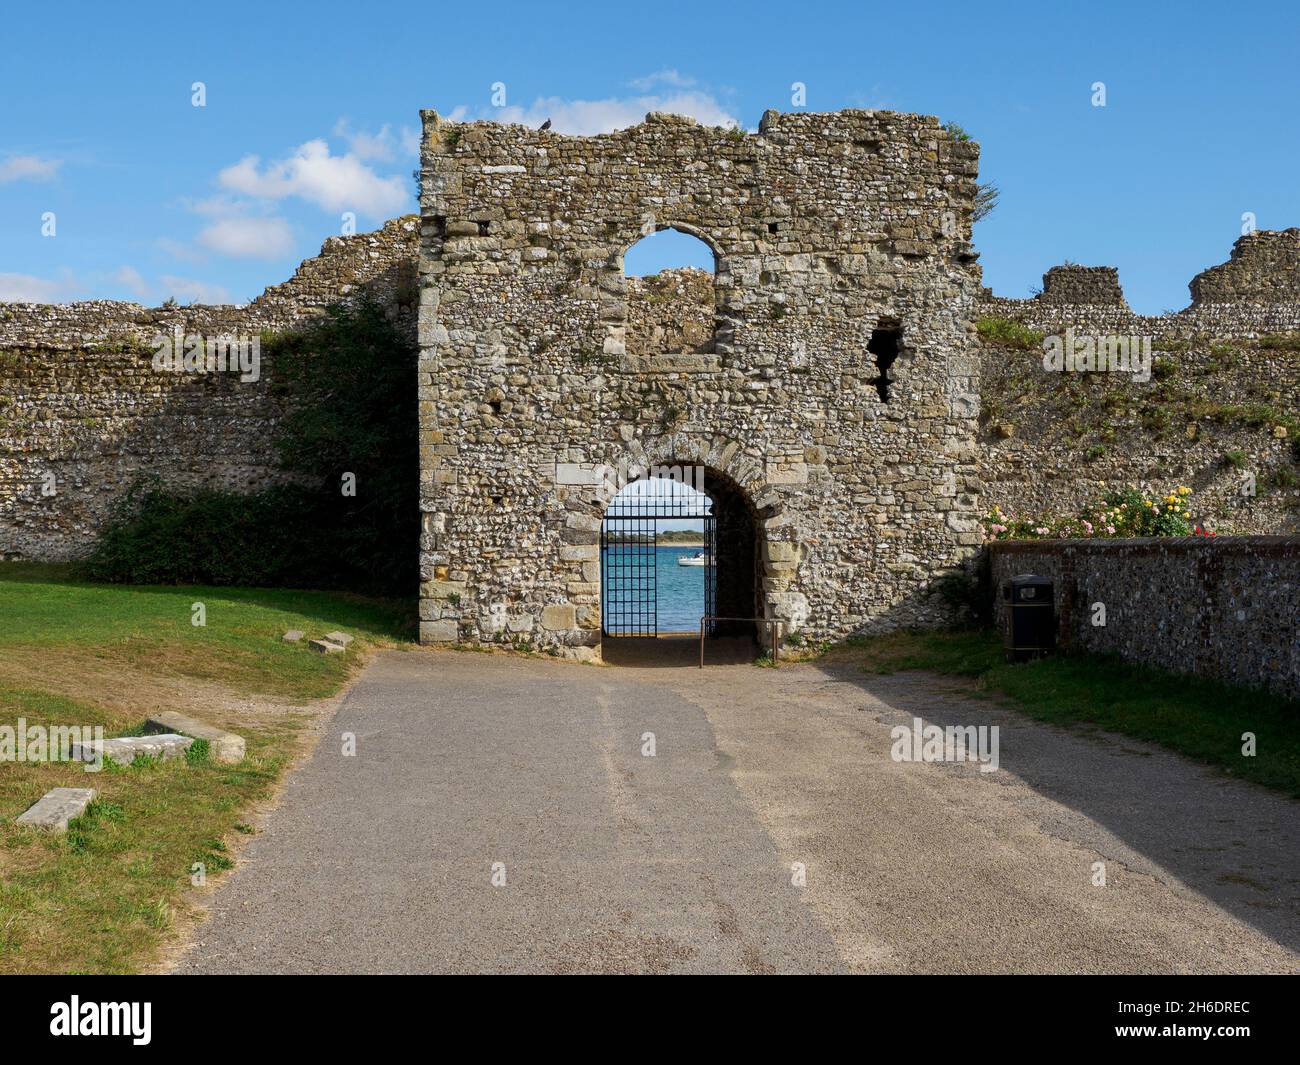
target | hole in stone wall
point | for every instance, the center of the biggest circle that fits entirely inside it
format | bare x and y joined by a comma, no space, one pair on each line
885,344
483,225
671,301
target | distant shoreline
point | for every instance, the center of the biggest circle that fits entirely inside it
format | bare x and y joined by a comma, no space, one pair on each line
660,542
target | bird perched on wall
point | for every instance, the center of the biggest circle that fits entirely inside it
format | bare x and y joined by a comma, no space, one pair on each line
546,124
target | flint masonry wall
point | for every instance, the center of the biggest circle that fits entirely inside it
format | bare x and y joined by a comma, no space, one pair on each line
1225,383
1224,608
541,364
533,380
80,399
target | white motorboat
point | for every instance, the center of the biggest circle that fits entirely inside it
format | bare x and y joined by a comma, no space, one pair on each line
696,559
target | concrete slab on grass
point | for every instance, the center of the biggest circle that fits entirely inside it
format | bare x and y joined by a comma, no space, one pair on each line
224,746
56,808
124,749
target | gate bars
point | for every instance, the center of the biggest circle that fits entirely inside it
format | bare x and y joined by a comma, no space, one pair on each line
629,552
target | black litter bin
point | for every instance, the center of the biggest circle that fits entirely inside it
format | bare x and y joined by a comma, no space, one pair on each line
1031,617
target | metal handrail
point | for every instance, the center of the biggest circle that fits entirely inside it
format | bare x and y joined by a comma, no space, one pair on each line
776,630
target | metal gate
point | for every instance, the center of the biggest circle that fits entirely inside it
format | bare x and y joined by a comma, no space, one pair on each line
629,553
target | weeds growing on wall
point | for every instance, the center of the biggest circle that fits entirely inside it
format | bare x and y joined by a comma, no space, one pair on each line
1009,333
347,384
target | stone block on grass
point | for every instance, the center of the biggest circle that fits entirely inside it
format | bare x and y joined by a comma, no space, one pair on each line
125,749
222,746
326,647
56,808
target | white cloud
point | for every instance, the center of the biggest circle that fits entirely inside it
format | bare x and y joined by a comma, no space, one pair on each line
588,117
662,77
385,146
249,238
28,168
333,182
24,288
380,146
129,277
188,290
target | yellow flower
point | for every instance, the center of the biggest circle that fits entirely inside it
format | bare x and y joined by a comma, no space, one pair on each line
1183,490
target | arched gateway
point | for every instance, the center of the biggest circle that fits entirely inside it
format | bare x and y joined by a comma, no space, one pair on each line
679,553
544,371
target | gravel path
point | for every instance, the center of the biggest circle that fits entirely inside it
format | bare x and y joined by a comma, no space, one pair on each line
615,861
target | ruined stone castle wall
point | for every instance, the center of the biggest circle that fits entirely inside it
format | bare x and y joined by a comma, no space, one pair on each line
674,310
535,376
84,415
1219,413
546,374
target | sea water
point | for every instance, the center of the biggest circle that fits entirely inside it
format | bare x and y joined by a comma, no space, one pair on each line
679,591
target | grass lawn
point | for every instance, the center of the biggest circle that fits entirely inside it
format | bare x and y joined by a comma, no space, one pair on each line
1198,718
105,897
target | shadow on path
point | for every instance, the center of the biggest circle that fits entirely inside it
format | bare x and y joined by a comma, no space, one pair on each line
1234,842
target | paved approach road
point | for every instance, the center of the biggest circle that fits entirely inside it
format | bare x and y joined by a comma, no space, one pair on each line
473,768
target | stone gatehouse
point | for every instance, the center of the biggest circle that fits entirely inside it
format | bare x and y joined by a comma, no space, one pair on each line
832,412
827,382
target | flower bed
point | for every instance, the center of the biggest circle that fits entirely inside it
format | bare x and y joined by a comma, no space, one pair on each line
1126,512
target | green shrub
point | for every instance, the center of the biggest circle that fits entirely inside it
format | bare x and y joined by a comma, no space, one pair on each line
1009,333
347,384
157,537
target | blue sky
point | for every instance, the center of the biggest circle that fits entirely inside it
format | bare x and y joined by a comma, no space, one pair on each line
311,111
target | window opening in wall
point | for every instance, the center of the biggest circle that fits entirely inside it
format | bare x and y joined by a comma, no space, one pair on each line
671,297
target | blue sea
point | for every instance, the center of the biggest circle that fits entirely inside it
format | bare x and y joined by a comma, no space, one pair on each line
679,597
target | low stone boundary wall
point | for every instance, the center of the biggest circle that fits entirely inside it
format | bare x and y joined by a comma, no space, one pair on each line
1227,608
